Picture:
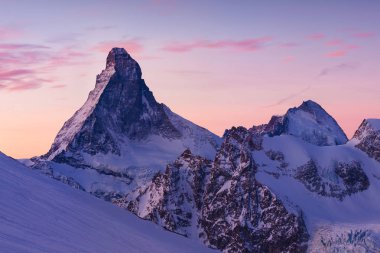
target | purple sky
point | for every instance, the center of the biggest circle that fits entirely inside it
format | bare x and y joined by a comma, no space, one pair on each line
217,63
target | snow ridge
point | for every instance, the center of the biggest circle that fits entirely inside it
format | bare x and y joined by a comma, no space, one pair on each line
310,122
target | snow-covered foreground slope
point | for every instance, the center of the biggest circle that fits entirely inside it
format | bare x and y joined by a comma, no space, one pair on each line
38,214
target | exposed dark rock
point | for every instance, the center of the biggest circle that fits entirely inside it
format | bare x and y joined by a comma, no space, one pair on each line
173,198
368,137
349,179
242,215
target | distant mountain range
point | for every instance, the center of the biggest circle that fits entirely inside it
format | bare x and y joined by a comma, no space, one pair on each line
296,184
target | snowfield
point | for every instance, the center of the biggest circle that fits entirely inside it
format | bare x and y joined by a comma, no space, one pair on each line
38,214
348,225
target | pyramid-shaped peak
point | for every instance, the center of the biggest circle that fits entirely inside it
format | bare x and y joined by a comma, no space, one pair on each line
123,63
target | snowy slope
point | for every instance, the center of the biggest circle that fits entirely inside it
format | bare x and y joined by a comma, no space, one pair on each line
38,214
325,214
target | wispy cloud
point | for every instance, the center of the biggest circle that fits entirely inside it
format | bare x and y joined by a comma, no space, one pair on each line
15,46
337,53
252,44
58,86
342,51
30,66
289,97
316,36
10,75
289,45
289,58
24,85
324,72
334,42
337,68
364,35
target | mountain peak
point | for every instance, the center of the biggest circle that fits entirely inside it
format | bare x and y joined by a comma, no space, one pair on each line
310,122
123,63
309,104
121,118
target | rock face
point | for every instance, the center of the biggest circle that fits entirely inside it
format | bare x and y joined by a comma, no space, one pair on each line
174,198
368,138
345,179
122,111
220,202
242,215
309,122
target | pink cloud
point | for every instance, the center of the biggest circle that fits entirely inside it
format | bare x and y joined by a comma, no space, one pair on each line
364,35
338,53
240,45
316,36
343,51
66,56
132,46
289,45
58,86
29,85
15,46
27,66
9,75
336,42
289,58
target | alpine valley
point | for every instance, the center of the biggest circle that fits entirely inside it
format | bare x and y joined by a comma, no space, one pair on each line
296,184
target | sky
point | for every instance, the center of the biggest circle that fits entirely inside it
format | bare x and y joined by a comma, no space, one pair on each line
217,63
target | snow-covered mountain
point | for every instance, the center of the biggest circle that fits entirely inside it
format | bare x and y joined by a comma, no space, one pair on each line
38,214
121,122
121,136
310,122
295,184
270,193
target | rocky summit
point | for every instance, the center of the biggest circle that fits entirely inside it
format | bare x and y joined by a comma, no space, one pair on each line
122,109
